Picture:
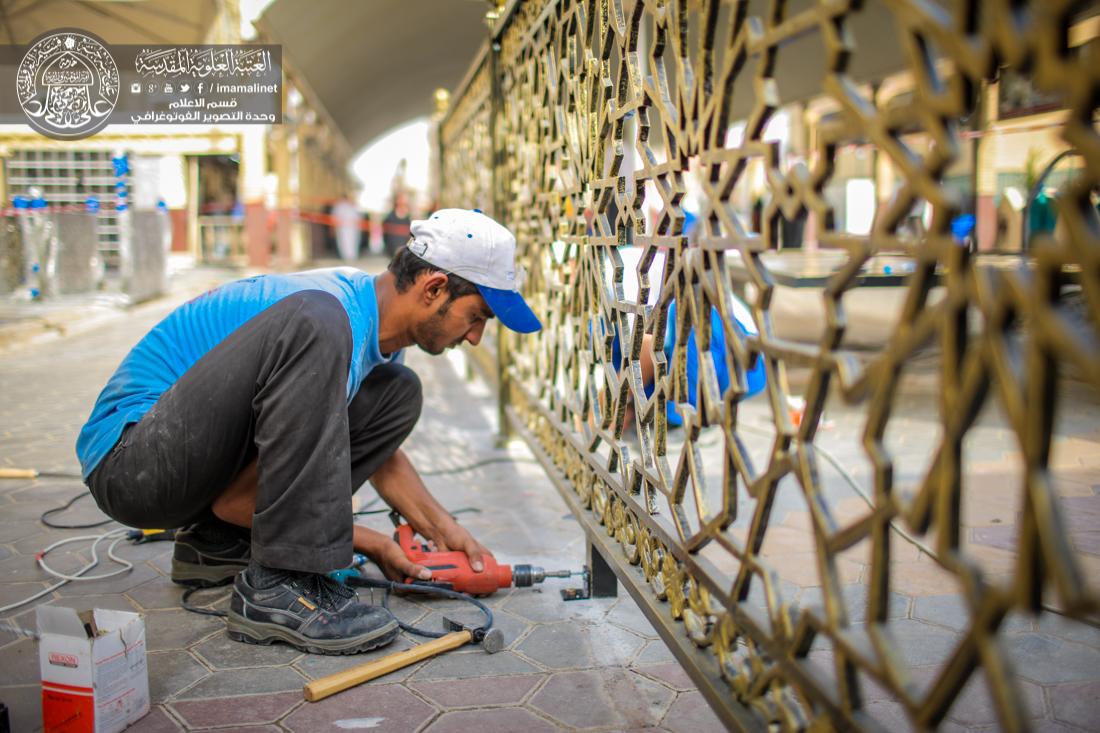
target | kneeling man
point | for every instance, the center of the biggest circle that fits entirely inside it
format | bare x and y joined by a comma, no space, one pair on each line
249,416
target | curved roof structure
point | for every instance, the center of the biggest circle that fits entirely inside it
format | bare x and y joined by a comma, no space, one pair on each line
374,65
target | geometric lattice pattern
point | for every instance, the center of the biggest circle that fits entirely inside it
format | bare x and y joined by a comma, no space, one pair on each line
582,86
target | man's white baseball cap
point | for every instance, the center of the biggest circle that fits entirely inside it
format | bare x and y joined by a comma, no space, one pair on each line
470,244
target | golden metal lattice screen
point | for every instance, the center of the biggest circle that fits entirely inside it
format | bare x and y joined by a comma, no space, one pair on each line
584,129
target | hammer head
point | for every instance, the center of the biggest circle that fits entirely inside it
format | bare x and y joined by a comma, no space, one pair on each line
492,641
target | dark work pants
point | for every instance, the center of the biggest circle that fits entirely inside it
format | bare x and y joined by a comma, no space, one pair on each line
274,390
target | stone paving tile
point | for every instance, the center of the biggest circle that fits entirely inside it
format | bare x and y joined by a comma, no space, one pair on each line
612,697
569,646
178,629
480,691
12,530
246,682
171,672
922,644
494,720
670,673
156,595
157,721
1070,630
547,606
1049,660
21,663
381,708
1078,704
315,666
473,663
244,710
1052,726
654,652
890,715
119,584
691,714
24,705
974,705
951,611
855,600
25,621
626,613
221,652
249,729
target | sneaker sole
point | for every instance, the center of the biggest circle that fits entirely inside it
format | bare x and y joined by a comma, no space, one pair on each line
204,576
257,632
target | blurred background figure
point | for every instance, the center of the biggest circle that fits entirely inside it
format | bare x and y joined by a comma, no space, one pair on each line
395,227
345,224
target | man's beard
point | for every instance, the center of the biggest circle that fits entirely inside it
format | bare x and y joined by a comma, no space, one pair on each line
430,337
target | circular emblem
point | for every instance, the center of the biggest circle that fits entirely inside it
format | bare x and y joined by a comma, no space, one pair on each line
67,84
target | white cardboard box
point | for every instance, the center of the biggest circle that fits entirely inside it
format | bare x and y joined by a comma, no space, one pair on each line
95,678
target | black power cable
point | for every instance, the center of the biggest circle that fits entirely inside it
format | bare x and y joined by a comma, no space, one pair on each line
44,518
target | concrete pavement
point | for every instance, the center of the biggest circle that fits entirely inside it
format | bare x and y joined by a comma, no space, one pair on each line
595,665
586,664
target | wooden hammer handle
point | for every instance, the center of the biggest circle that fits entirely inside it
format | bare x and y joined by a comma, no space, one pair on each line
322,688
18,473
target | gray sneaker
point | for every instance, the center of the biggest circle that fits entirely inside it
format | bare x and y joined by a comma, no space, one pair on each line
307,611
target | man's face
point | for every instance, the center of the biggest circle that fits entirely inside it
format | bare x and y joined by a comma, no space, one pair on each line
451,323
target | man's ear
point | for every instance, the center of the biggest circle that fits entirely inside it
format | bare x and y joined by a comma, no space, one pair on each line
433,285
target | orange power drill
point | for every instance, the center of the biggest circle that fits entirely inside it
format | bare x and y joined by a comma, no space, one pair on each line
452,569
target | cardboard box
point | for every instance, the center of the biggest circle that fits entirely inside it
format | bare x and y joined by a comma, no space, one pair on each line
95,678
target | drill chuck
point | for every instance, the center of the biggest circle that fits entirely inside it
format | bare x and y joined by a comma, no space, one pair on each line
527,575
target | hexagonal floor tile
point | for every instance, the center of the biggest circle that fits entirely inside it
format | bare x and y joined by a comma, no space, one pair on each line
1049,660
157,594
221,652
1078,704
24,706
315,666
464,664
608,697
178,629
243,710
172,671
382,708
672,674
570,646
498,720
157,721
691,714
479,691
250,681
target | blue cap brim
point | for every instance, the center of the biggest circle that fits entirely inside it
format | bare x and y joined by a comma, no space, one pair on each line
512,310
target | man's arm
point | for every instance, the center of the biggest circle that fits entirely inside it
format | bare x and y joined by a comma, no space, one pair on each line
401,487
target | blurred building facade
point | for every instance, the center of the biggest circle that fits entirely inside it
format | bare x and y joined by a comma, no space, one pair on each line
235,194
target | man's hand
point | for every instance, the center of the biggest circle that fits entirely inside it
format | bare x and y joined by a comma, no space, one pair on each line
455,537
396,566
388,555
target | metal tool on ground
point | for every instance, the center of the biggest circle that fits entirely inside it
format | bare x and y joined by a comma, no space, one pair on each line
491,640
452,569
